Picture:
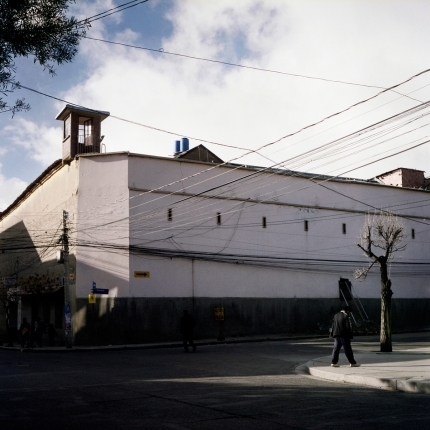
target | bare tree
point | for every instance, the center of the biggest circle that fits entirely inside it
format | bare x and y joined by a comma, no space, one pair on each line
382,233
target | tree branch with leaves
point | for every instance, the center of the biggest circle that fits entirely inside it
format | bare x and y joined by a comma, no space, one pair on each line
39,28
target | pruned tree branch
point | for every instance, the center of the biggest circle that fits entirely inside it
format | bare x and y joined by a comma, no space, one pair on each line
383,231
362,273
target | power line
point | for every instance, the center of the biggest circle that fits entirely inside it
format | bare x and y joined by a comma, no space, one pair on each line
360,132
226,63
351,119
263,146
262,170
292,263
117,9
312,180
315,177
215,197
252,204
345,110
291,134
135,122
260,69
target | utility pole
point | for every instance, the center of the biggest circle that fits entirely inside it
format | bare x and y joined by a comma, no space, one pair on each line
67,308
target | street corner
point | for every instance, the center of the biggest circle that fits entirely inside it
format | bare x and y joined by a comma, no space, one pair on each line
320,368
395,372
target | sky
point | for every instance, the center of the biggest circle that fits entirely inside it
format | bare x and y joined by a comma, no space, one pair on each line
324,57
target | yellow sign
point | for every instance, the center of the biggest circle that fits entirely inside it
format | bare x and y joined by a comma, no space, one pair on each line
72,276
138,274
91,298
219,314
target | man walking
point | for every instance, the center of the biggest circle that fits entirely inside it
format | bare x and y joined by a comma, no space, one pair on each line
187,325
342,333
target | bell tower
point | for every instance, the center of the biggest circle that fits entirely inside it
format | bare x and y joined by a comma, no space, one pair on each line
81,130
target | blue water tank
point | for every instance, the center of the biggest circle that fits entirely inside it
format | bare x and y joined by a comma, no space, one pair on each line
185,144
177,146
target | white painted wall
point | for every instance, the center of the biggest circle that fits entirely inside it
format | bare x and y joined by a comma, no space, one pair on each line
41,215
286,202
102,224
38,218
109,204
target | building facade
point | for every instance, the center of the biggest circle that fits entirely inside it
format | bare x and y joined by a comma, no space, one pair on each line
268,246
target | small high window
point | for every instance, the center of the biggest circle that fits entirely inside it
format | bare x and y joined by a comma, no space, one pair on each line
306,225
67,127
344,228
218,218
88,128
81,135
413,233
264,223
169,214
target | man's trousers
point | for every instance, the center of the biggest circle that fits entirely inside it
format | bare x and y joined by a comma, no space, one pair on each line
346,343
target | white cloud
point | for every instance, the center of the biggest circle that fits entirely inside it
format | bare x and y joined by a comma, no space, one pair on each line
375,43
41,142
356,41
11,189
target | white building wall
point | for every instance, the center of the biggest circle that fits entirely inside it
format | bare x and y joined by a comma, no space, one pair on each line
36,225
41,214
121,200
102,225
286,202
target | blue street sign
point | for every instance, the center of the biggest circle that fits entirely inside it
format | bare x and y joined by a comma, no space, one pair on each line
100,291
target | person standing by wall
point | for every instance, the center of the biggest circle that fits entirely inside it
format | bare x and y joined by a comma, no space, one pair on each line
187,325
342,333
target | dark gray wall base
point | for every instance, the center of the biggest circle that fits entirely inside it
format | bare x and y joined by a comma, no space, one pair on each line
141,320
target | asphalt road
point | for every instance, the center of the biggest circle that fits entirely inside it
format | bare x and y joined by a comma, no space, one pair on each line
235,386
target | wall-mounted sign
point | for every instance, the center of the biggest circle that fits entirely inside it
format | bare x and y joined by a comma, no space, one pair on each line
91,298
100,290
140,274
219,314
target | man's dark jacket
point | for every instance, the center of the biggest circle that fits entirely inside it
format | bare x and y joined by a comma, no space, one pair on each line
341,326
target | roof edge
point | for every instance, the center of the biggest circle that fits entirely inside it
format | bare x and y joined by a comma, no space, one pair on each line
56,165
81,109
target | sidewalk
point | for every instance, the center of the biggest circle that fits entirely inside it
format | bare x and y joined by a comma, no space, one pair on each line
407,370
158,345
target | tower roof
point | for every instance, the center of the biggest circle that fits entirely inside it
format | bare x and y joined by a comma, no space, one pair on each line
81,111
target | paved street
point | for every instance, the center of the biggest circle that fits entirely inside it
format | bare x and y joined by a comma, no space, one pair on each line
235,386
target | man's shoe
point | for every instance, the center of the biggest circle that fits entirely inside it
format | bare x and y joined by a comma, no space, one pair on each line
355,365
334,365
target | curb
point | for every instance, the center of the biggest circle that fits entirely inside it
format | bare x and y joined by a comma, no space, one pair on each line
411,385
